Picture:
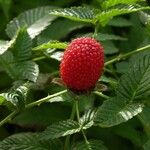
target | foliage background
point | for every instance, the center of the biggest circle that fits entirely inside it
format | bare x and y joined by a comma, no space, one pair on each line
122,34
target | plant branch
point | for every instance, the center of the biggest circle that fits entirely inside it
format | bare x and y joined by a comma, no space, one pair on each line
78,118
45,99
96,30
67,141
123,56
8,118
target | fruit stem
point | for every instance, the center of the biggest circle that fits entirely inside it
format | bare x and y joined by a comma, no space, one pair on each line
123,56
67,141
36,103
78,118
96,30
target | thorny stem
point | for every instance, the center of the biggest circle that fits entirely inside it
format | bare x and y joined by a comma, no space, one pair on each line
78,118
123,56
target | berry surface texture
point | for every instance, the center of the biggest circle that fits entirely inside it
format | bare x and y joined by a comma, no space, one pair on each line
82,64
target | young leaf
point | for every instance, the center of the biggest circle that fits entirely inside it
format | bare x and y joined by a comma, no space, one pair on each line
83,14
51,44
115,111
105,16
91,145
36,20
109,3
30,141
60,129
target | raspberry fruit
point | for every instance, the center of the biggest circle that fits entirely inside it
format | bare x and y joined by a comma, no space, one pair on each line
82,64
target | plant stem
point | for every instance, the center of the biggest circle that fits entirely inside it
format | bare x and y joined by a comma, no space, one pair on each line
12,115
39,58
8,118
78,118
67,141
45,99
96,30
123,56
101,94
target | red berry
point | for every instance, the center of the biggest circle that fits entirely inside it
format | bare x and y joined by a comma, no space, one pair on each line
82,64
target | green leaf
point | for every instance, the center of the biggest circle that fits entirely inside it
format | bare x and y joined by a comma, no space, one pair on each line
91,145
22,46
51,34
109,47
109,3
27,70
51,44
146,146
145,18
144,117
30,141
57,55
83,14
105,16
115,111
36,20
6,4
108,80
19,70
120,22
128,131
106,37
60,129
86,121
16,58
46,114
5,45
135,84
16,96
